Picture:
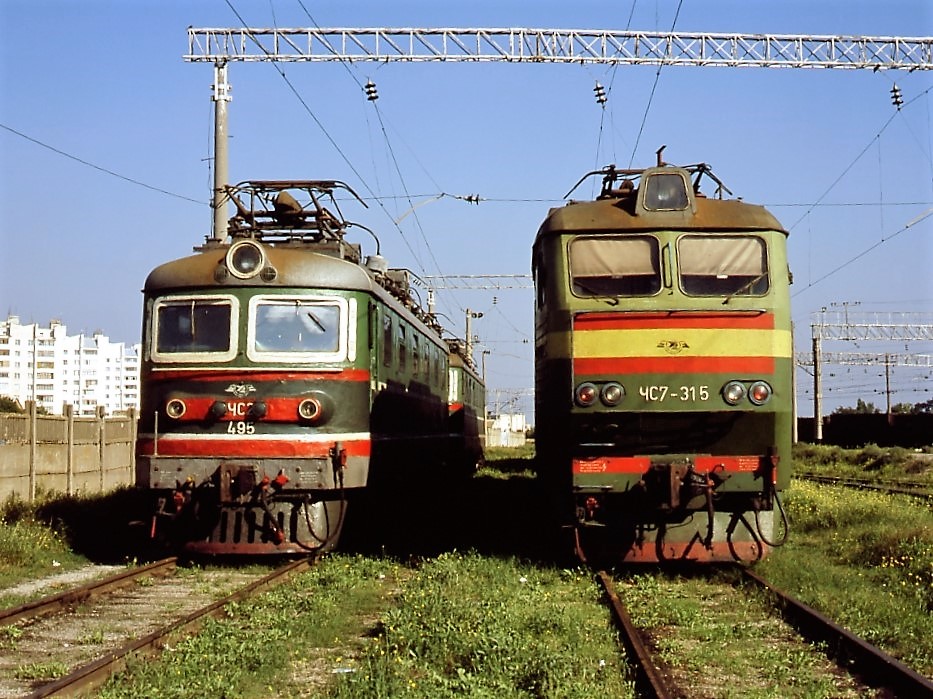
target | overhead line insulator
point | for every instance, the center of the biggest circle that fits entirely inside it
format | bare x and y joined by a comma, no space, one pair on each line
896,98
600,92
371,93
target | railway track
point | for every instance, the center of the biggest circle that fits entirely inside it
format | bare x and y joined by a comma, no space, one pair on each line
914,490
85,635
870,671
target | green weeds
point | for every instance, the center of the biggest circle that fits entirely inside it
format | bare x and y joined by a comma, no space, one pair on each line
709,633
864,559
486,627
285,642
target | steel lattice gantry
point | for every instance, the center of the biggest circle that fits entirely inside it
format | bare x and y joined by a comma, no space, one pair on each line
845,325
518,45
560,46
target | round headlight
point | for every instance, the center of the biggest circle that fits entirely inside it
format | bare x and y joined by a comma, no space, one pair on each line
759,393
733,392
586,394
245,259
612,394
218,409
175,408
310,409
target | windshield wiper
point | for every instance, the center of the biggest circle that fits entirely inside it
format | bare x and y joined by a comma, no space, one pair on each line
745,287
611,300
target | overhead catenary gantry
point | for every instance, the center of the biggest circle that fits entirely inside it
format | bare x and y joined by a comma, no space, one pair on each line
517,45
561,46
848,326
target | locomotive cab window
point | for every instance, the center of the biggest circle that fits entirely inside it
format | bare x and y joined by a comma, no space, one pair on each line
194,328
723,265
297,329
604,266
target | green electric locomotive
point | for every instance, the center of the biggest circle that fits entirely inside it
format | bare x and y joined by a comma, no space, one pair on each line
282,373
663,369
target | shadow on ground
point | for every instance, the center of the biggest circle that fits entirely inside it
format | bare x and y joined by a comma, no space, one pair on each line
500,512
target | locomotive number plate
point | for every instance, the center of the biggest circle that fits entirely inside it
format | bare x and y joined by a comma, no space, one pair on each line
684,394
241,427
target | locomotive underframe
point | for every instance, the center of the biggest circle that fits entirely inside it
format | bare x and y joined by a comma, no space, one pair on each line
253,506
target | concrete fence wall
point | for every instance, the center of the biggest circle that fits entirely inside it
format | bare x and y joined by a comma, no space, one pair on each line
64,453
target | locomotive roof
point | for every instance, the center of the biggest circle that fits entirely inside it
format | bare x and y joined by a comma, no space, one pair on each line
295,267
624,208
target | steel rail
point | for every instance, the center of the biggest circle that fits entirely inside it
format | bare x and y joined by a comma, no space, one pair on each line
856,655
97,672
919,491
70,598
648,677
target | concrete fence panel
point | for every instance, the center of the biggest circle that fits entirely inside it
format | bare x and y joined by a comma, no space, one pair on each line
64,453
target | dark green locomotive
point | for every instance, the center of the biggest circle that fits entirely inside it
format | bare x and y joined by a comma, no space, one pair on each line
282,373
467,403
663,368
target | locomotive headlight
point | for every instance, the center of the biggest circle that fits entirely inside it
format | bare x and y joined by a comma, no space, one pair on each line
245,259
218,409
612,394
759,393
310,409
733,392
175,408
586,394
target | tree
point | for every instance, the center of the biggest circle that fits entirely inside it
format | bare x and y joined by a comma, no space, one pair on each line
861,408
10,405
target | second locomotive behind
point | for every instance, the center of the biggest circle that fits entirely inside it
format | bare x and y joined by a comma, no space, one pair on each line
280,374
663,368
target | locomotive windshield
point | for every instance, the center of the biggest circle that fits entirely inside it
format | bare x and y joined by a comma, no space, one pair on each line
193,326
297,328
619,266
723,265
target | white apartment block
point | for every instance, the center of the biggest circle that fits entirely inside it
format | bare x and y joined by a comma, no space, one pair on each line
52,368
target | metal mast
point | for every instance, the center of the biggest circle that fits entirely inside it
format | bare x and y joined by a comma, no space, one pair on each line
221,166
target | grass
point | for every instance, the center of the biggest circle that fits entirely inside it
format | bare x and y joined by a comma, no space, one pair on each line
508,462
708,634
467,625
457,625
284,642
29,548
870,462
864,559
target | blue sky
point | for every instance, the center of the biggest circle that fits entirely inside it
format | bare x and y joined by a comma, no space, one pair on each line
105,82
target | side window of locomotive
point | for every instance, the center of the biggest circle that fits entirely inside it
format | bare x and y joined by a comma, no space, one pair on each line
297,329
402,347
453,388
387,340
194,328
603,266
723,265
415,356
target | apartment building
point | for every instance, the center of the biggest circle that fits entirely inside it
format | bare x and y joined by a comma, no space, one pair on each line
53,368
